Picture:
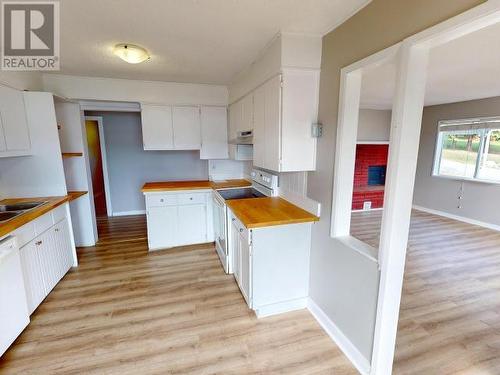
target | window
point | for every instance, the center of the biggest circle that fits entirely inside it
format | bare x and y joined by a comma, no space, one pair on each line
469,149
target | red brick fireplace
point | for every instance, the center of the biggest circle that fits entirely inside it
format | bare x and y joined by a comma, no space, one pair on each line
369,175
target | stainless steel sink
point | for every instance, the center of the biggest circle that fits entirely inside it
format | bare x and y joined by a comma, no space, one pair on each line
20,206
10,211
5,216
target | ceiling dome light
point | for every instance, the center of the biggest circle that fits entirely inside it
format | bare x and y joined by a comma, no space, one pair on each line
131,53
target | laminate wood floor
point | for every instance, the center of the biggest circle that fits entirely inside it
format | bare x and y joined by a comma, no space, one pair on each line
126,311
450,309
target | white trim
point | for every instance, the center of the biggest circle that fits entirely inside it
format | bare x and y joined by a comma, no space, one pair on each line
345,150
458,218
350,351
281,307
406,122
109,106
303,202
372,142
129,213
104,160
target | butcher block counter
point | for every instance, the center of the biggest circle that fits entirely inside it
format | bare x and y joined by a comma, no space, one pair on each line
269,211
18,221
151,187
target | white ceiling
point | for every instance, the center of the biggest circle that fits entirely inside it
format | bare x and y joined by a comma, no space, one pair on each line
202,41
464,69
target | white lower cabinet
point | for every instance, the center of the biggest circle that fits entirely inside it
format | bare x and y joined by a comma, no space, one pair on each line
271,265
160,234
45,260
178,219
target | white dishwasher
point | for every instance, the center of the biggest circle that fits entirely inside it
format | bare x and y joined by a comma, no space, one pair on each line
14,316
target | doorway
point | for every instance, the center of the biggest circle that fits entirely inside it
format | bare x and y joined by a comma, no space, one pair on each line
98,166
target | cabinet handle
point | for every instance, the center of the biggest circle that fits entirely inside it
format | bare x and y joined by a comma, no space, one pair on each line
56,230
191,198
233,219
38,243
241,230
162,200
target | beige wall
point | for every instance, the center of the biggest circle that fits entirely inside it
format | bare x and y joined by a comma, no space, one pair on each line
374,125
442,194
343,283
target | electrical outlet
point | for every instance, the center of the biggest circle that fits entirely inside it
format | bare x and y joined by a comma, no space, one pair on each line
367,205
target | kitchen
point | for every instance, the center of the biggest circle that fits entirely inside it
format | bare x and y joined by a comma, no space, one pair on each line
250,202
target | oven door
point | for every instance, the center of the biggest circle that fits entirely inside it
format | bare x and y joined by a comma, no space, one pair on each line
219,213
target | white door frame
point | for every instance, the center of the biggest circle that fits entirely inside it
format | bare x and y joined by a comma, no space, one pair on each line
412,64
104,160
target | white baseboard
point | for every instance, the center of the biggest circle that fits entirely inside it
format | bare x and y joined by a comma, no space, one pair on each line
282,307
347,347
129,213
459,218
303,202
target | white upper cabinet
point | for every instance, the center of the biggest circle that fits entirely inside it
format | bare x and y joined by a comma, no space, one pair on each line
170,128
187,133
246,113
284,86
272,114
214,133
14,131
157,129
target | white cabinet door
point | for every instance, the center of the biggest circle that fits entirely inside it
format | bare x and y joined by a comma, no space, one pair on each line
235,120
272,113
187,133
157,130
192,224
245,266
14,122
235,250
246,113
162,226
214,133
33,275
62,249
259,127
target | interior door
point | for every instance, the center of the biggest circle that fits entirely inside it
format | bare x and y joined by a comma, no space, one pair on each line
187,132
96,168
157,130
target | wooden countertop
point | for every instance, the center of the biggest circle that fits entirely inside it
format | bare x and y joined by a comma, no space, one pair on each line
18,221
72,195
268,211
151,187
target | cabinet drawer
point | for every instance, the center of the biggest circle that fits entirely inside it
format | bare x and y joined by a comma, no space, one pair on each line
194,198
160,200
59,213
25,233
43,223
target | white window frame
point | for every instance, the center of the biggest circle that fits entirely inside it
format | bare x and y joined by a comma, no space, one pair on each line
439,147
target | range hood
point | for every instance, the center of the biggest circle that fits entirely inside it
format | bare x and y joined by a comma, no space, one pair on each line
244,137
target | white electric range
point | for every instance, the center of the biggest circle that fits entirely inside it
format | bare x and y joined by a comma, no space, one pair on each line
264,184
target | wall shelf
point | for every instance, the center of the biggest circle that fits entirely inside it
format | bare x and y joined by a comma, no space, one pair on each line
66,155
